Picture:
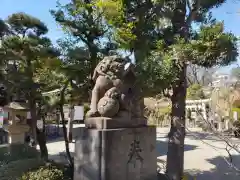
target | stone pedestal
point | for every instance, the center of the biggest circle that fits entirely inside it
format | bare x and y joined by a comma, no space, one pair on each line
17,133
113,123
116,154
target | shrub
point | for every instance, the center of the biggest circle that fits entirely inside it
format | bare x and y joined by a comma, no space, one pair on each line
14,169
50,171
47,172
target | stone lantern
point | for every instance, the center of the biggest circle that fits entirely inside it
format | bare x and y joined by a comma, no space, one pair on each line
17,125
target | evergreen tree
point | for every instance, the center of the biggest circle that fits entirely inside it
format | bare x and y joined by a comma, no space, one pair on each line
24,50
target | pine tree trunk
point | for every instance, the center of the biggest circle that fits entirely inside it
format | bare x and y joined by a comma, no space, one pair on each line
33,112
41,138
139,56
70,160
37,135
70,124
62,100
175,154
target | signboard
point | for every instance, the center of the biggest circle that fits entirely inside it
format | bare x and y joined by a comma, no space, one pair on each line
40,124
78,112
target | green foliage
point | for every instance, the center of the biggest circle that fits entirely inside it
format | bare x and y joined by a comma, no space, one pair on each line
213,46
207,45
133,23
88,40
114,12
28,56
195,92
77,68
158,115
82,21
29,50
47,172
184,42
50,74
156,73
21,22
14,169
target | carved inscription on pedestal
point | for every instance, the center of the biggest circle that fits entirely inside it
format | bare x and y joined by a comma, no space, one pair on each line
135,159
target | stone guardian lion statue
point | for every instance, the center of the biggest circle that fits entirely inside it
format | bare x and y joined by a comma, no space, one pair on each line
114,89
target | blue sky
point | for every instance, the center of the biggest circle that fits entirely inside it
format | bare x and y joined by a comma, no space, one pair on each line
229,13
36,8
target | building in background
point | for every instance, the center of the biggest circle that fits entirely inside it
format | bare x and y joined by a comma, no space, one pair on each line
222,80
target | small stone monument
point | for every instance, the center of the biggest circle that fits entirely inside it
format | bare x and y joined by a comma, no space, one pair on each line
17,122
116,143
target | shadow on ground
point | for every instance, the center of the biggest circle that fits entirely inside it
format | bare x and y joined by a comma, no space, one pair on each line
222,170
162,147
193,135
60,157
206,136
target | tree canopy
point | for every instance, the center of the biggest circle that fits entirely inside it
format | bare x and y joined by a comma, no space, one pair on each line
82,21
25,52
88,39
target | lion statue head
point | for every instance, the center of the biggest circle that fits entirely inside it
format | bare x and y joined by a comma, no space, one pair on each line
111,66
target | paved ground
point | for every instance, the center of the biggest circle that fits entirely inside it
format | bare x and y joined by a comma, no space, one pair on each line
204,155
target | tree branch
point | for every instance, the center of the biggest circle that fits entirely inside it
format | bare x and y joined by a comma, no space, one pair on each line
192,11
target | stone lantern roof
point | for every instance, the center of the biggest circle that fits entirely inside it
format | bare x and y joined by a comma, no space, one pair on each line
17,106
